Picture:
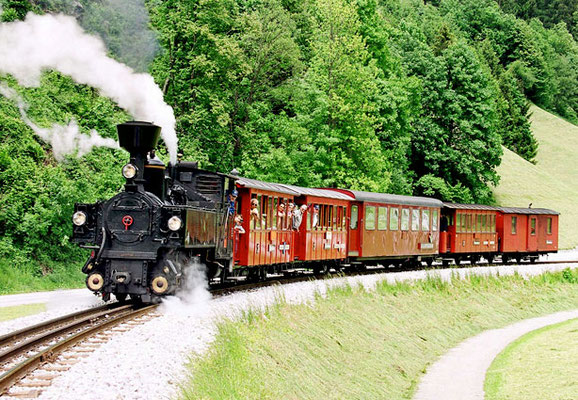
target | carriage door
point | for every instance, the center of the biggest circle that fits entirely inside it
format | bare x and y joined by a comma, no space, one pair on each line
532,233
354,231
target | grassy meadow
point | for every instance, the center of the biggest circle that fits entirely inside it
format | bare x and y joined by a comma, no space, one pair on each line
13,312
553,181
365,344
539,365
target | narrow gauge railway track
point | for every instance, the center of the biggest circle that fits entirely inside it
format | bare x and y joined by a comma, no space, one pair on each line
24,351
82,325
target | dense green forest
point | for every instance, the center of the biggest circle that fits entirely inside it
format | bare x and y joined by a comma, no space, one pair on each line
397,96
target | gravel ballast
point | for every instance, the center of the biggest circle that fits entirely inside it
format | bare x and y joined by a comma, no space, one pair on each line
148,361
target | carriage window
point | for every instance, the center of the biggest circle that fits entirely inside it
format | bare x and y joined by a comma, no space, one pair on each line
394,219
468,223
479,226
493,227
274,217
458,223
405,219
333,220
308,216
369,218
338,219
382,218
549,226
264,212
514,225
464,218
354,215
533,226
425,220
434,220
484,223
415,220
344,218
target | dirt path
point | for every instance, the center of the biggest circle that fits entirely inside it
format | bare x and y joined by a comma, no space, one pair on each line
460,373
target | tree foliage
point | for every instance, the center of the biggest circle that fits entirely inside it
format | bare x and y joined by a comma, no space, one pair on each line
390,95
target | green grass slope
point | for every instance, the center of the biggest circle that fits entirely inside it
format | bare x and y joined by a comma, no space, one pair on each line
553,181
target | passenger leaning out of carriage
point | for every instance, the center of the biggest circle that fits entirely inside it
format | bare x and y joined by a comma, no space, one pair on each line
290,211
280,215
238,228
298,216
315,217
254,214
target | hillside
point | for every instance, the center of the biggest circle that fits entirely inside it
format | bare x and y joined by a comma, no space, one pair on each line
552,182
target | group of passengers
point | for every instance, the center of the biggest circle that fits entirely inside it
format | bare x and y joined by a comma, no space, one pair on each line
288,215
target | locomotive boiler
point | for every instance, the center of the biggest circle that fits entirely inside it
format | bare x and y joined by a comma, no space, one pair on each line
167,218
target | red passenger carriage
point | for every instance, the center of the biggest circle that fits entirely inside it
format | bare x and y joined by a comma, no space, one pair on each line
527,232
272,240
393,227
468,232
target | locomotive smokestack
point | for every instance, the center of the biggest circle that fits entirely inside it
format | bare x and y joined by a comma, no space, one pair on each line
138,138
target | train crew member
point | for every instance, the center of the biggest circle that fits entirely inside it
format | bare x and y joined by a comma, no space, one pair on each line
232,199
298,216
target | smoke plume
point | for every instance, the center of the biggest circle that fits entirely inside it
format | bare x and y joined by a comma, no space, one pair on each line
42,42
64,139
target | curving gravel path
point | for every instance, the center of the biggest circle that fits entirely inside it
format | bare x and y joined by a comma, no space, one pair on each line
461,372
147,362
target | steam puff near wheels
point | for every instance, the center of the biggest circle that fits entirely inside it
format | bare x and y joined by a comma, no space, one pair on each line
43,42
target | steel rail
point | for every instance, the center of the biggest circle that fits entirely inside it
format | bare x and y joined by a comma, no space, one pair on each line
61,329
49,354
31,330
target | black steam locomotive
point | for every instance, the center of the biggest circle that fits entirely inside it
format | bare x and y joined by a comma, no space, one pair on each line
144,238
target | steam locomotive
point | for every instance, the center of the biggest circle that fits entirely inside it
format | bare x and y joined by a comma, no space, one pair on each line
169,219
166,217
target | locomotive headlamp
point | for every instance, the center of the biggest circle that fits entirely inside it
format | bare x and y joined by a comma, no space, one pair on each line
175,223
79,218
129,171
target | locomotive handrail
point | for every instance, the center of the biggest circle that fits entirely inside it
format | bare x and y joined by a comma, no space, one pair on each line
101,244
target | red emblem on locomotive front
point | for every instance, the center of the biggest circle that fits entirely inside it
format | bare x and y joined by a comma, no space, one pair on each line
127,221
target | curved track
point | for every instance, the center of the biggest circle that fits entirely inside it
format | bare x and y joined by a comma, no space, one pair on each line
23,351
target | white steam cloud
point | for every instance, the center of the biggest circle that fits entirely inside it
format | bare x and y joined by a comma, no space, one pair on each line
64,139
42,42
193,297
